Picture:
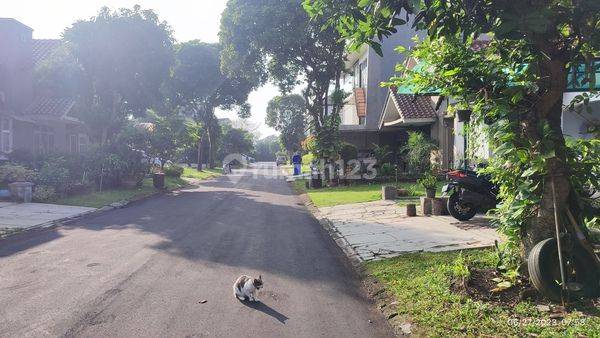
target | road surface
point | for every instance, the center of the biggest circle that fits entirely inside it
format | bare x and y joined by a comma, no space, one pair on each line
144,270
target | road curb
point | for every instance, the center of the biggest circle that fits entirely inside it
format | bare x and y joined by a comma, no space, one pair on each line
382,299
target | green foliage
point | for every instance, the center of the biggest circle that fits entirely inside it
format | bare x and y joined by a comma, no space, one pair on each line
235,141
417,152
286,115
386,170
422,286
348,152
125,57
173,170
267,148
382,153
276,40
54,173
428,180
514,85
10,173
44,194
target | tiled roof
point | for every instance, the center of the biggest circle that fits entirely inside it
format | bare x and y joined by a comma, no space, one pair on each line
49,106
412,106
43,48
360,101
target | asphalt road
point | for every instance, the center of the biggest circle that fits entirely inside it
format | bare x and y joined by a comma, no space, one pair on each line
144,270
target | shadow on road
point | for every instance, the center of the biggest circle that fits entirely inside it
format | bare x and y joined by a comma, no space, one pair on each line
264,308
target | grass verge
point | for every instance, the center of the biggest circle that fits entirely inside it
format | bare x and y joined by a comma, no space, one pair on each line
422,285
206,173
99,199
327,197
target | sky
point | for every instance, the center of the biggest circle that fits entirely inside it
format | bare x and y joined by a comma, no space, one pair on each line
190,19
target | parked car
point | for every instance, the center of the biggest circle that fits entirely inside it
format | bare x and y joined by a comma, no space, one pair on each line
281,160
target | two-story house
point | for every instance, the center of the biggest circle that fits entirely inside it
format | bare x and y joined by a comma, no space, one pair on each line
376,115
32,121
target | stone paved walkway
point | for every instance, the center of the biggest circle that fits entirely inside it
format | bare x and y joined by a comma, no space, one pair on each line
381,229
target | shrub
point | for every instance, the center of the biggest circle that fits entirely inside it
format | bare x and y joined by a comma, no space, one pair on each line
173,171
15,173
54,173
385,170
418,152
22,157
428,180
44,193
348,152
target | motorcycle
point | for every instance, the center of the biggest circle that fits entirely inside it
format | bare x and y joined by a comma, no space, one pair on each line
469,193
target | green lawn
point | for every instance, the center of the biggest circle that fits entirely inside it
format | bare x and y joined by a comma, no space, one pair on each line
106,197
206,173
421,284
327,197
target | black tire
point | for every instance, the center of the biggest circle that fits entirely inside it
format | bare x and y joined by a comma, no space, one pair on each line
544,270
460,210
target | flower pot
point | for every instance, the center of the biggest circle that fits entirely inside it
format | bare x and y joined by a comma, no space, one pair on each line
158,180
430,192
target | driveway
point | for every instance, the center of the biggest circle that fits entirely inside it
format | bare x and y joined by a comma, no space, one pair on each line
19,216
147,269
381,229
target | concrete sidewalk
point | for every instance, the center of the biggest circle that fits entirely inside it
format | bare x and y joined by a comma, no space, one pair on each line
381,229
23,216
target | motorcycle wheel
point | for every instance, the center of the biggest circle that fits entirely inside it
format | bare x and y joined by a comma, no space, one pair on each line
459,210
544,270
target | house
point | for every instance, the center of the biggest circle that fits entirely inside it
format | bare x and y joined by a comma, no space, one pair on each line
32,121
375,115
361,117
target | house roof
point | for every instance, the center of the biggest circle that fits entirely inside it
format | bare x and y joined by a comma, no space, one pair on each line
13,22
412,106
43,48
50,107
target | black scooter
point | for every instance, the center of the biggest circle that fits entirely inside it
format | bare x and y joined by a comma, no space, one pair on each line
469,193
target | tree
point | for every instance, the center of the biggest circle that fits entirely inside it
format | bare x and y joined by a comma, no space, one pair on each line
286,115
514,86
266,149
198,86
276,40
235,141
125,57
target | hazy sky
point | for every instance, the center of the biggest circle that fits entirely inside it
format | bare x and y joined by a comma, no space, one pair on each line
190,19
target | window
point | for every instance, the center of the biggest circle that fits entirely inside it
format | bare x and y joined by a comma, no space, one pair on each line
77,143
362,120
72,141
363,74
83,143
5,135
43,140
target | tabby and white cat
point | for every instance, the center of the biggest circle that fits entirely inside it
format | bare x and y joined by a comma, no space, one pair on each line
245,287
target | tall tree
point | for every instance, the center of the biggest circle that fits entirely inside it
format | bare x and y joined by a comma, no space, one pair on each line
266,149
286,114
199,87
276,40
235,141
125,57
515,85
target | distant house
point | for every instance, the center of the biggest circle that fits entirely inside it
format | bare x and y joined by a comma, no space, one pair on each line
32,121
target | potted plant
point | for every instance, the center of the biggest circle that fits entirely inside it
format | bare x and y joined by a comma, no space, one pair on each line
429,182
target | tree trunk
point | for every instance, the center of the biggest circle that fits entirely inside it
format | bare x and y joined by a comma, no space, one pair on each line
200,157
211,162
549,109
